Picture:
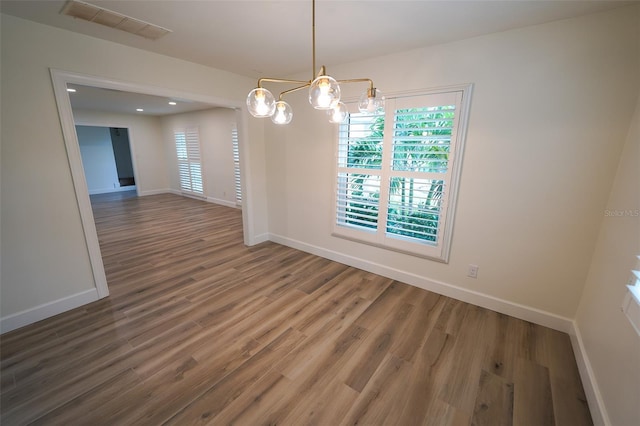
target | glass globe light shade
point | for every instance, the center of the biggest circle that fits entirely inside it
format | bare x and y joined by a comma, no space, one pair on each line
324,92
283,113
338,113
261,102
371,104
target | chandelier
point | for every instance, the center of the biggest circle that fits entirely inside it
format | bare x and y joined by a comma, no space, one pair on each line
324,93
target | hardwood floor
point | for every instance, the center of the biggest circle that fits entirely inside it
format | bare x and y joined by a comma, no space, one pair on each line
200,329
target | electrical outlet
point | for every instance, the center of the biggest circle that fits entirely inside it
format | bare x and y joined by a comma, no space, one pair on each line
473,271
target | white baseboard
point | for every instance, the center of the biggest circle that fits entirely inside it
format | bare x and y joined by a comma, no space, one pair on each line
258,239
29,316
156,192
109,190
598,410
506,307
213,200
222,202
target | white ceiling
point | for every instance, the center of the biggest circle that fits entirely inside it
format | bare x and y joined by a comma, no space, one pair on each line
266,38
108,100
273,38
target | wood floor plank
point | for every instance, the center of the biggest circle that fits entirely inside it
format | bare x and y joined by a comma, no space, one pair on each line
318,374
532,401
325,405
376,347
91,400
36,398
471,344
383,394
430,369
569,402
302,360
213,400
422,321
200,329
253,405
494,405
442,414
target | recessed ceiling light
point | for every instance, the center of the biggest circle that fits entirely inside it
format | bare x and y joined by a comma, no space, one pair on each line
172,103
139,109
69,89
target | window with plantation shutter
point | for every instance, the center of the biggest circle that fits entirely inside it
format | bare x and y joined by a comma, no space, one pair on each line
236,165
189,163
631,302
397,172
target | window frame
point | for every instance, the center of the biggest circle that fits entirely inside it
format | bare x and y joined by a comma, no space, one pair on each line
379,237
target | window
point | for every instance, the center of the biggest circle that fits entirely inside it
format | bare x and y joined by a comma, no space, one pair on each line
236,165
631,303
189,165
397,172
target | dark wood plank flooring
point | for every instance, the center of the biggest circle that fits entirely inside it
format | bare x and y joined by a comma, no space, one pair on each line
200,329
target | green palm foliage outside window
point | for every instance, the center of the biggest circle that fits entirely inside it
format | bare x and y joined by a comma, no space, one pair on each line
421,144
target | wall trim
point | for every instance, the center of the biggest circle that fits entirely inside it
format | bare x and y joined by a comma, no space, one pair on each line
153,192
59,80
598,410
259,239
506,307
110,190
222,202
46,310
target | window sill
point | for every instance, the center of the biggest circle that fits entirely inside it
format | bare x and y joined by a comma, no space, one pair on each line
424,251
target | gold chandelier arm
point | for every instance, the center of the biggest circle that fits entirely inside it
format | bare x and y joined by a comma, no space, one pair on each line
324,91
280,80
307,84
359,80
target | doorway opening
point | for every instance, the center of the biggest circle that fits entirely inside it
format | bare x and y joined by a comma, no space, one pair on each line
106,159
61,81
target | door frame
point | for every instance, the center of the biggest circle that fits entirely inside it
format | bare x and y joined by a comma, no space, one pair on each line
60,79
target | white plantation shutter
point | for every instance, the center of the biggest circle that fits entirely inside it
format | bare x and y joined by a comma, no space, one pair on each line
423,128
236,165
189,162
397,173
360,163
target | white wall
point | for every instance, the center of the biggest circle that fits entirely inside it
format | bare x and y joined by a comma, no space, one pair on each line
549,116
214,126
98,160
611,345
45,261
145,141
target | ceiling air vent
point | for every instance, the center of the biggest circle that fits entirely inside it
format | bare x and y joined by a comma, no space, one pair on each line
99,15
